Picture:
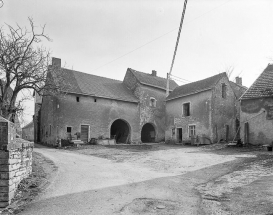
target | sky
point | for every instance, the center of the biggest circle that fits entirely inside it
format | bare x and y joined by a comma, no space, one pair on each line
105,37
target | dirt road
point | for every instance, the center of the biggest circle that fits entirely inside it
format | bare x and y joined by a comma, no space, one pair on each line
116,181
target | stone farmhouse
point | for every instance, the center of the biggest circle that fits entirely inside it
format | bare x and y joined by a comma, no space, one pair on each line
132,110
257,110
206,110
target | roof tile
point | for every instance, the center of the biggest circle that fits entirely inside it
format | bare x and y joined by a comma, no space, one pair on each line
196,87
263,86
83,83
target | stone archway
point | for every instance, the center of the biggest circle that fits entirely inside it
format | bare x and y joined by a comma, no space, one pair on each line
148,133
120,131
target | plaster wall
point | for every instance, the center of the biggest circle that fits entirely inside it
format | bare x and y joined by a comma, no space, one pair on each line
200,116
259,115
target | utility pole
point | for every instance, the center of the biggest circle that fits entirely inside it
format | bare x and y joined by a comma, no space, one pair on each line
175,50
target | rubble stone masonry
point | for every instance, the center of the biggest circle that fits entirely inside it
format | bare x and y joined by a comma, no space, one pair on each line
15,161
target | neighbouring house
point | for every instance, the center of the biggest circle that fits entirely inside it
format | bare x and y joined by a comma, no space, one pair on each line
132,110
28,132
257,110
205,109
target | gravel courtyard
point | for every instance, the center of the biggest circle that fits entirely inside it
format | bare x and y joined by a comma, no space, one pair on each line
157,179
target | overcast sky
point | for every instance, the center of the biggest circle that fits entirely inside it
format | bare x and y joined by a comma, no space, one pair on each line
105,37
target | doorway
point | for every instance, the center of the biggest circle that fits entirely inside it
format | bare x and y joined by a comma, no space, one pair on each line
148,133
179,135
120,131
84,133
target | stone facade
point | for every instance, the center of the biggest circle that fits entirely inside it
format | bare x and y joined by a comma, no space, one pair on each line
130,111
15,161
97,113
212,116
151,112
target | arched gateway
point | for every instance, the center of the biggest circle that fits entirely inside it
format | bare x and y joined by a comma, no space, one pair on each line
120,131
148,133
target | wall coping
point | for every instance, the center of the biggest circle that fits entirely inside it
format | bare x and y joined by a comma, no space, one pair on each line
18,143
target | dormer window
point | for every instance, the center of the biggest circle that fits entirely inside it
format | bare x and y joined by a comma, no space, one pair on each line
152,102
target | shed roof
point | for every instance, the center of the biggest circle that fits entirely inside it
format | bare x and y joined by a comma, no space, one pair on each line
196,87
87,84
155,81
263,86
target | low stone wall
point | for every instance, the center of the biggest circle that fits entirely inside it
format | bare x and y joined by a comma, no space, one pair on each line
15,165
15,162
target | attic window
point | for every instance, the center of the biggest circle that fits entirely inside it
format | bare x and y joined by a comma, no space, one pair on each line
224,90
152,102
78,99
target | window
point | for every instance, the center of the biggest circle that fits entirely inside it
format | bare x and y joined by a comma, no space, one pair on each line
78,99
191,130
68,129
186,109
95,100
152,102
224,90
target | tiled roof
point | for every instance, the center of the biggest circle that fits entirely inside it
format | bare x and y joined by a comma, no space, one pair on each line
196,87
263,86
28,125
151,80
87,84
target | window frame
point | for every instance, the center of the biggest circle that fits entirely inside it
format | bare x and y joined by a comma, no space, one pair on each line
189,109
189,130
152,102
224,90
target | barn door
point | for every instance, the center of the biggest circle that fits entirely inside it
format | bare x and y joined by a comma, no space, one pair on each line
84,133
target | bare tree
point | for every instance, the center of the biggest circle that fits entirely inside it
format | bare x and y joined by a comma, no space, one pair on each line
23,66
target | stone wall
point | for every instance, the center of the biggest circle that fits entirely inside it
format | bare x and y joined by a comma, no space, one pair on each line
200,116
258,113
15,161
98,113
223,111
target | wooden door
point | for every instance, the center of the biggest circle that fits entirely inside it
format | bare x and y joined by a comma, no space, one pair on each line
84,133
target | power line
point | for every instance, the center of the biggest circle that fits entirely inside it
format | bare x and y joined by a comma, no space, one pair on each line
159,37
180,78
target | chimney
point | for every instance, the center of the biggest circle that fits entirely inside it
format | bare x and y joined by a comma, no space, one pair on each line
56,62
153,73
239,81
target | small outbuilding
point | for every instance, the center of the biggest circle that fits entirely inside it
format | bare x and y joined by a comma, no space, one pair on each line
257,110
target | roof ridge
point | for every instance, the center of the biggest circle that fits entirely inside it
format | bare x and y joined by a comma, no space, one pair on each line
194,82
72,70
146,73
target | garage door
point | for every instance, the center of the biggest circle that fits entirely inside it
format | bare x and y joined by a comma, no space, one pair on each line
84,133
